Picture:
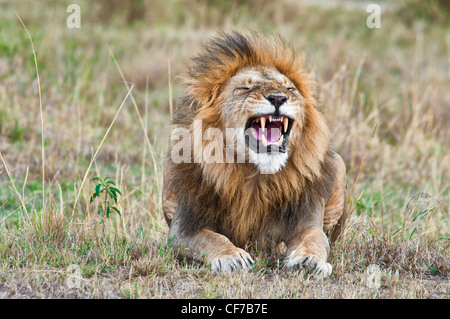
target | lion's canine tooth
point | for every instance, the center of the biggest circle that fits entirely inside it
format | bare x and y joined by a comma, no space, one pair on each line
264,140
270,118
263,123
280,141
285,123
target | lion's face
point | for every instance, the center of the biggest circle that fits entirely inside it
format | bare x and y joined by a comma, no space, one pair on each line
266,106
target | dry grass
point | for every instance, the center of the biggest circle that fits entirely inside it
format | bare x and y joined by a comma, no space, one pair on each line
395,79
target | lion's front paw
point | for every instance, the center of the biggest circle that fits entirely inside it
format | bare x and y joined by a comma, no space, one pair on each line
318,267
228,262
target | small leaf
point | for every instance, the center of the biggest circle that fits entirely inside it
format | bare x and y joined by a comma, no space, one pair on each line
97,189
118,211
108,209
116,190
110,182
93,197
97,179
112,194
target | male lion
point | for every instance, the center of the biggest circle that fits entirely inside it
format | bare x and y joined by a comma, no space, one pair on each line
281,184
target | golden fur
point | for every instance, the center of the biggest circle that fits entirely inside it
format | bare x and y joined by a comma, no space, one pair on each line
216,209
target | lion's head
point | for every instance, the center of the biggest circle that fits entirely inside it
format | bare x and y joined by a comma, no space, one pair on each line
267,106
259,87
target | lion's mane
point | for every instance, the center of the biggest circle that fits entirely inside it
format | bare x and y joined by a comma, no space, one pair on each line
234,199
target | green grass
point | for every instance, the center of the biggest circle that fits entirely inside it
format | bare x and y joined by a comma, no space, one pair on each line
394,78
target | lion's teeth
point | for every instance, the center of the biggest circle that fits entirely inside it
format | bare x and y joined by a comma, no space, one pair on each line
264,140
270,118
285,124
280,141
263,123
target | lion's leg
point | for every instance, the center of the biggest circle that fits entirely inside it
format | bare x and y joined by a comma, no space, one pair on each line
336,207
169,205
309,247
169,200
206,245
310,250
215,248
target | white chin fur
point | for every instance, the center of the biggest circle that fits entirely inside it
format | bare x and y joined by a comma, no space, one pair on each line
268,163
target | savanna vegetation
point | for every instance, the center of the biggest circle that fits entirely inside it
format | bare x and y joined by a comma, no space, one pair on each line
95,101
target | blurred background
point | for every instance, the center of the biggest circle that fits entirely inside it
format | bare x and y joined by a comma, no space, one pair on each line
385,92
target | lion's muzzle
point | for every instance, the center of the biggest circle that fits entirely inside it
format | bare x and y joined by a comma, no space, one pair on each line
268,133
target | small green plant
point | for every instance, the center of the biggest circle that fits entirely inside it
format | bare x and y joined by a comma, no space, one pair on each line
105,190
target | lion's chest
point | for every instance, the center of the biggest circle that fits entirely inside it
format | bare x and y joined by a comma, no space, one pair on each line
264,221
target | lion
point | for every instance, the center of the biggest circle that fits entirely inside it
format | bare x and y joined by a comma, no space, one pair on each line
274,181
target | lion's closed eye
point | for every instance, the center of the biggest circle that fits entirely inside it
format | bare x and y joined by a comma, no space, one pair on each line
242,89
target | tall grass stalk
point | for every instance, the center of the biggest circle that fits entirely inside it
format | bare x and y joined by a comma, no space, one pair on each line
150,146
40,110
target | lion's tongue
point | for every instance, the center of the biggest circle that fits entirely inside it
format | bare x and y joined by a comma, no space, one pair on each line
271,132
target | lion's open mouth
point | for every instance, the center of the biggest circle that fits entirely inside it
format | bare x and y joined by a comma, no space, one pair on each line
268,132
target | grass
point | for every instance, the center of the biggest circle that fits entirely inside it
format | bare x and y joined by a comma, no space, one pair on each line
106,92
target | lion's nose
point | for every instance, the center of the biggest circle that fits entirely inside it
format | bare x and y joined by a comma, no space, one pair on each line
277,99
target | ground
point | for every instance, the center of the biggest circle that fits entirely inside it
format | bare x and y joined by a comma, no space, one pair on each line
384,92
